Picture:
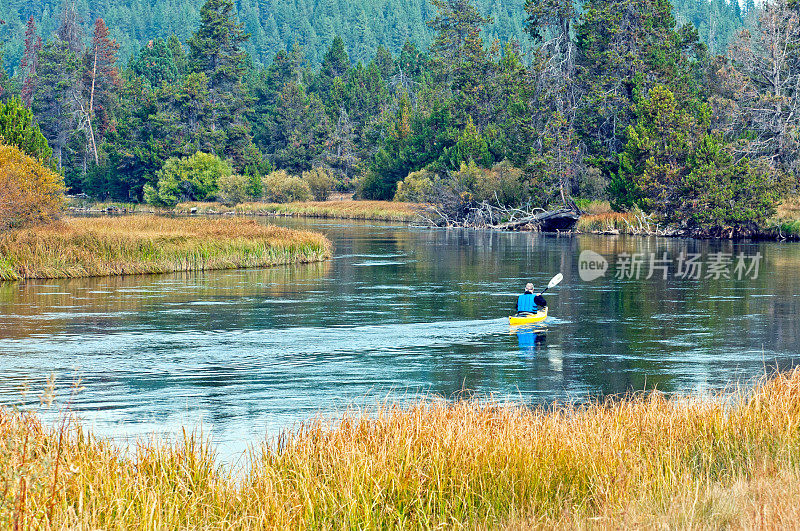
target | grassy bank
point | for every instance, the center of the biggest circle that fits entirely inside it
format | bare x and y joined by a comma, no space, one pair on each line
643,461
608,223
83,247
348,209
334,209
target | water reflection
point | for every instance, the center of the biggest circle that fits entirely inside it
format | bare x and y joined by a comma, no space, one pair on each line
532,341
399,311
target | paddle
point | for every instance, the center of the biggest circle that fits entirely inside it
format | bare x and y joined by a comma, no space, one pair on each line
553,283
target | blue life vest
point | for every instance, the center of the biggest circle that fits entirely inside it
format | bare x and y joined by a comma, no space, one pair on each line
525,303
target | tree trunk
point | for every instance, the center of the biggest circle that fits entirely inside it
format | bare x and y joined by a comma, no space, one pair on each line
91,107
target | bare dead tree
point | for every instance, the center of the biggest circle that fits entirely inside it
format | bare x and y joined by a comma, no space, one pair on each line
767,70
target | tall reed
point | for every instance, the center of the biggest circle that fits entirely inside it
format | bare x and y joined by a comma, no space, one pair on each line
126,245
622,222
643,461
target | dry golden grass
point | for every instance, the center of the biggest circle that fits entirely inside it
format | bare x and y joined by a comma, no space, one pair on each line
645,461
83,247
607,222
348,209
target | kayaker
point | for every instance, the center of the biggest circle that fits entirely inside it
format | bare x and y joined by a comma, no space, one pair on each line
526,303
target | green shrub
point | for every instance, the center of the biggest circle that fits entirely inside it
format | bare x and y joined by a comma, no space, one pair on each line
194,178
280,187
501,185
320,181
234,189
254,187
416,187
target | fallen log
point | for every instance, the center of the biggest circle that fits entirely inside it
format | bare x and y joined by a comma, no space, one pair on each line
563,219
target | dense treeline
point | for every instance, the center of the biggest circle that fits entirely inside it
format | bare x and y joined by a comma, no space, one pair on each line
275,25
615,100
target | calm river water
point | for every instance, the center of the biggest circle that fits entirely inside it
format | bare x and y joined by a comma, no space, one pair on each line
399,312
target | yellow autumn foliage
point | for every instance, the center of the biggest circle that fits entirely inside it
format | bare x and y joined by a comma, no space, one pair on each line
29,192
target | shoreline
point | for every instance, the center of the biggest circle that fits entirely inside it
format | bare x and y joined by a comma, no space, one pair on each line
147,244
334,209
604,224
614,224
628,461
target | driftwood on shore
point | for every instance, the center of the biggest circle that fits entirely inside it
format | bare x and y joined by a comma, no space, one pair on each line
485,215
563,219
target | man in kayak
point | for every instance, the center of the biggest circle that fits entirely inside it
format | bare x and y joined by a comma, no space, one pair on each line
530,303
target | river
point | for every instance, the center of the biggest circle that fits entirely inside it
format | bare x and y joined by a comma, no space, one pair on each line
399,313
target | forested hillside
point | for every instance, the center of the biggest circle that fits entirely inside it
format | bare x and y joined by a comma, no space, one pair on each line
277,24
615,101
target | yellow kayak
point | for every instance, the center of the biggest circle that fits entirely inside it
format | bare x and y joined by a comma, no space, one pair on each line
531,318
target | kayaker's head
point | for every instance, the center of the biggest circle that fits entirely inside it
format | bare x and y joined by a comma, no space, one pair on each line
540,301
529,288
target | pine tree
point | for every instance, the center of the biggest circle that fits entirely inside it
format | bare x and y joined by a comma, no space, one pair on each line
334,66
385,63
18,128
675,167
299,131
558,150
216,50
461,61
178,54
57,89
764,83
156,63
625,47
458,25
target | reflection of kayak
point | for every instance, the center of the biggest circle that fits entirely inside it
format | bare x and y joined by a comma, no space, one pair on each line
530,318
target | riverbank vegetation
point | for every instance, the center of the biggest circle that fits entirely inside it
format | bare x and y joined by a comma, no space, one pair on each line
599,218
647,460
684,130
343,209
29,191
339,208
139,244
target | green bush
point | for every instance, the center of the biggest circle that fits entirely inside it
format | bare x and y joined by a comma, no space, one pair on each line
501,185
280,187
320,181
194,178
254,187
416,187
234,189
